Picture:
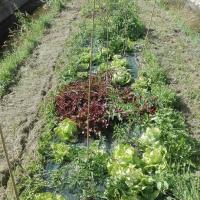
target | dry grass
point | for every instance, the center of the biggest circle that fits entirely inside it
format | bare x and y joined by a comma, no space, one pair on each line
190,16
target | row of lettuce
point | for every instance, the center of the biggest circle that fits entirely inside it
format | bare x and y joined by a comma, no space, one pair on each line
139,143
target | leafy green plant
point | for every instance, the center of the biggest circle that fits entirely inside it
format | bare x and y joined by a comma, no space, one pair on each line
129,178
31,180
155,156
151,137
119,62
174,135
88,171
166,97
142,85
153,70
60,152
121,77
48,196
66,130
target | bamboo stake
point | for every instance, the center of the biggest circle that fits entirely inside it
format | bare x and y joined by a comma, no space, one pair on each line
90,71
8,163
150,22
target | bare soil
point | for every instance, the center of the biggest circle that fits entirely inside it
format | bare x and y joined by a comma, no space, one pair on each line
19,110
179,54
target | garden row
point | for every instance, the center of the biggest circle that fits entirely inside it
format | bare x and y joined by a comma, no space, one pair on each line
139,143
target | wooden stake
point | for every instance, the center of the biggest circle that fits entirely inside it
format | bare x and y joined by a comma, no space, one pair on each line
8,163
90,71
150,22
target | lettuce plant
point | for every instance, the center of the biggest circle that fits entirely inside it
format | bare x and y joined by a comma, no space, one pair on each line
82,75
48,196
150,137
128,176
121,74
66,130
72,103
119,62
155,157
124,153
60,151
142,85
121,77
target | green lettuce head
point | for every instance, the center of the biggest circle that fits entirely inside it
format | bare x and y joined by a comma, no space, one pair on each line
60,151
155,156
48,196
66,130
123,156
119,62
142,85
121,77
150,137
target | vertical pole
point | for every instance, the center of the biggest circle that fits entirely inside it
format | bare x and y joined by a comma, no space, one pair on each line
90,70
150,22
8,163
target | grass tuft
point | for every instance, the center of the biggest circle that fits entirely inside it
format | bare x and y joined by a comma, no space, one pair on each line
29,38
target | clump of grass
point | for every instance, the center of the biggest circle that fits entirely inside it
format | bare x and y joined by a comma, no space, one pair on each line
186,186
29,37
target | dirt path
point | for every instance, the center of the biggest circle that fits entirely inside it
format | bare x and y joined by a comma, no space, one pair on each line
19,109
180,55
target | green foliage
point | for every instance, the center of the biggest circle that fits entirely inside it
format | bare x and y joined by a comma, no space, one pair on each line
150,137
82,75
142,85
128,177
166,97
124,20
146,146
49,115
48,196
155,156
88,171
66,130
121,77
30,35
186,186
119,62
174,135
60,152
32,182
153,70
124,154
119,44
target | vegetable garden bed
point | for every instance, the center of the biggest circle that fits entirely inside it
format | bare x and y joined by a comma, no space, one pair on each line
137,138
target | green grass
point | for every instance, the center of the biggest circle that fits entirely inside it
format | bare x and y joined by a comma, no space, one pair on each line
29,38
186,186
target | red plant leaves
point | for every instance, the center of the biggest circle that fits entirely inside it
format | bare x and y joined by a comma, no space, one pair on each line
73,103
